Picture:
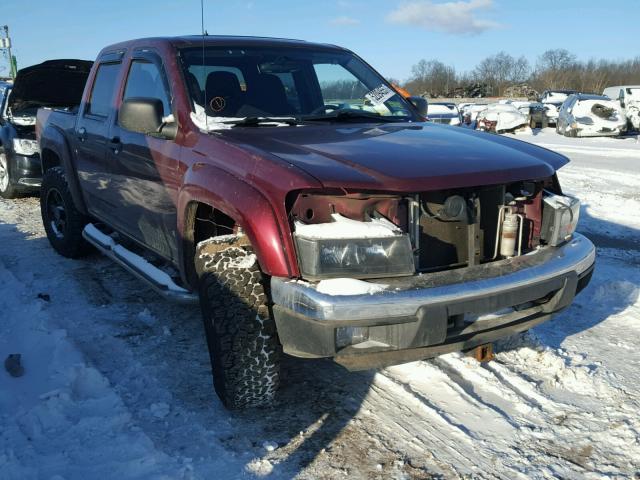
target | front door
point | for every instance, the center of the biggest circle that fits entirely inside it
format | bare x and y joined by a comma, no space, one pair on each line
144,166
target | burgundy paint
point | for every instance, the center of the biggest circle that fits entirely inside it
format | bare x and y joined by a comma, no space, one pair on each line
248,173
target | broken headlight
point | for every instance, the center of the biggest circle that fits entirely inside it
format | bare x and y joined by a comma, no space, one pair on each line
349,248
23,146
560,215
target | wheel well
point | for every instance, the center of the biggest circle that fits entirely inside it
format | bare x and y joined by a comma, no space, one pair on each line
203,221
49,159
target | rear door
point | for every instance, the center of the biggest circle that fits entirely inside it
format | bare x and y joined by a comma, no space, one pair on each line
144,166
91,137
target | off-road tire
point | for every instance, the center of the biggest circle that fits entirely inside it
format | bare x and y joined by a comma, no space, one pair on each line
239,327
7,188
65,231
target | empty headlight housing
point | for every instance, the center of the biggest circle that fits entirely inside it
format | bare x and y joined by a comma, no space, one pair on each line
24,146
348,248
560,214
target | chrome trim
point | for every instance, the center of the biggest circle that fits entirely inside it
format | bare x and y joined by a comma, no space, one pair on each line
131,262
577,255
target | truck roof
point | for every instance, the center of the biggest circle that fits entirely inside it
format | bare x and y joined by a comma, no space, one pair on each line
220,40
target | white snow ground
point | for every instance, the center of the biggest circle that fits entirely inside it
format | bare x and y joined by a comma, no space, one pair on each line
117,381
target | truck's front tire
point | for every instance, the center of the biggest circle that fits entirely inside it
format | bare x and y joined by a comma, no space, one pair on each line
62,221
241,333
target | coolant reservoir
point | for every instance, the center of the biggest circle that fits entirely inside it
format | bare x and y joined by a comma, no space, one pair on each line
509,234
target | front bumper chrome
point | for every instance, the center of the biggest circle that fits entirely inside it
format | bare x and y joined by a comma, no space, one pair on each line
406,296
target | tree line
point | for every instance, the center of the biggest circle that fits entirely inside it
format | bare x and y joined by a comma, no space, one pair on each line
499,74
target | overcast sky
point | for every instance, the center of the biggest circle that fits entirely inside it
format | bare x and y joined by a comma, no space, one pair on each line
392,35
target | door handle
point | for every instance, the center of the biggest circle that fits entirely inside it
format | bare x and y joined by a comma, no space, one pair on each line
115,145
82,134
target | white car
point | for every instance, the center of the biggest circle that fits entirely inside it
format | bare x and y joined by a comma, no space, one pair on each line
629,98
501,117
445,113
470,111
583,115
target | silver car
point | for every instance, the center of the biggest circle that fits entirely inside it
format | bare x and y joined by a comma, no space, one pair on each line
584,115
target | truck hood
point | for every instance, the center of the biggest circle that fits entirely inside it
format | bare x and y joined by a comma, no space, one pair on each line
399,157
54,83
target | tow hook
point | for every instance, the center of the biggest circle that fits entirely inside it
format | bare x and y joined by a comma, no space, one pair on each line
482,353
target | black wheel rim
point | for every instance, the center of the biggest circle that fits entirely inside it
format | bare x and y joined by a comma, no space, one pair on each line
56,213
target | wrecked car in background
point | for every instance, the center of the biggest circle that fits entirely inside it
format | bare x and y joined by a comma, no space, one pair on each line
583,115
444,113
470,112
501,118
552,100
54,83
629,98
219,170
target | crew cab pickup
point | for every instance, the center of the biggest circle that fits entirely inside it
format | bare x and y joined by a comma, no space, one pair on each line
306,205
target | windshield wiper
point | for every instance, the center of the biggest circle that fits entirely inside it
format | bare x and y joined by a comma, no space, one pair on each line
342,115
257,121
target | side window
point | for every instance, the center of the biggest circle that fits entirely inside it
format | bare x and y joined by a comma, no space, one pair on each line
104,86
145,80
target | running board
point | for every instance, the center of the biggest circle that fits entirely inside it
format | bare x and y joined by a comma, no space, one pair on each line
138,266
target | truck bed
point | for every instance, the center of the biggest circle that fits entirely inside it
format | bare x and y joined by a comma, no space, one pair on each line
63,119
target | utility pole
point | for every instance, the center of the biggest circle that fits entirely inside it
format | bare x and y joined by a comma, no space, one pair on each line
6,44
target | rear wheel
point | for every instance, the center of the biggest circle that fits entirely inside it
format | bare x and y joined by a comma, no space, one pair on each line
7,188
62,221
239,326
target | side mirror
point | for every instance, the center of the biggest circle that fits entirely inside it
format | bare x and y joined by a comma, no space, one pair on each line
420,104
144,115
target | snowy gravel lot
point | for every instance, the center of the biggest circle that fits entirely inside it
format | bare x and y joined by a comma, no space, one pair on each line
117,381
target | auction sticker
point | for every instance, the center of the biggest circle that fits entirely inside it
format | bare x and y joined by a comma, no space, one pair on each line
380,94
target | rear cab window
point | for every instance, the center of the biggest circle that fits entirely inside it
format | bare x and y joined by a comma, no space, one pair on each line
104,86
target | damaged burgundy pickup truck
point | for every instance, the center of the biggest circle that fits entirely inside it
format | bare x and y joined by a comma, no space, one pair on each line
307,205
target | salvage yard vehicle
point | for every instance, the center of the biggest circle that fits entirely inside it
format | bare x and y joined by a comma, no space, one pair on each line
215,169
470,112
552,101
501,118
54,83
444,113
583,115
629,98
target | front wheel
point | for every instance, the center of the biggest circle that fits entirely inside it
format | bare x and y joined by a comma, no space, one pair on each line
239,326
7,188
62,221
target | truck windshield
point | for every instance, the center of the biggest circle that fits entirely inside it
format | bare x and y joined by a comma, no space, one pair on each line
301,83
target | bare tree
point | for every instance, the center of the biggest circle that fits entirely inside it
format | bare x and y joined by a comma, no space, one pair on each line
501,70
432,78
555,69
